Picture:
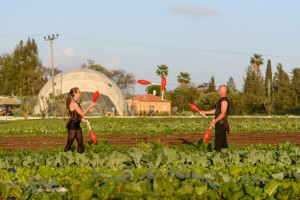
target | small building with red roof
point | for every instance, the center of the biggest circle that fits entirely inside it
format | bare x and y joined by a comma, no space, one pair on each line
148,104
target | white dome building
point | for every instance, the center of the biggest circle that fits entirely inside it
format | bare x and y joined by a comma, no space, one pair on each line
88,81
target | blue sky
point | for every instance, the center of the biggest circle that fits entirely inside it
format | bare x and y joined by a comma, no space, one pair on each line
204,38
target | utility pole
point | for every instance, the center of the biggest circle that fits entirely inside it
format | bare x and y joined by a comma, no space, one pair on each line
51,38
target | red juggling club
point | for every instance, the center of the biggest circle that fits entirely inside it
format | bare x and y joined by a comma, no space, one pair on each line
207,134
143,82
163,86
95,97
92,135
163,83
195,108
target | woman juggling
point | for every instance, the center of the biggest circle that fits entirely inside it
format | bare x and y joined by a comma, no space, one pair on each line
75,117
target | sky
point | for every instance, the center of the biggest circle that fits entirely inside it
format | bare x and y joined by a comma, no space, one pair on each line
204,38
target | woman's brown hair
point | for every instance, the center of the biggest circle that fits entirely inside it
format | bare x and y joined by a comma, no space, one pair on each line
69,98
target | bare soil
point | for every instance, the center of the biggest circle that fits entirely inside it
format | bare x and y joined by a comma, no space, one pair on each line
239,139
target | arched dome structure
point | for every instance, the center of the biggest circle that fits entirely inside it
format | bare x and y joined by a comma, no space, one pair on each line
88,81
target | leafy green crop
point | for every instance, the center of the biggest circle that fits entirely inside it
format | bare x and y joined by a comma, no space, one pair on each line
153,171
147,126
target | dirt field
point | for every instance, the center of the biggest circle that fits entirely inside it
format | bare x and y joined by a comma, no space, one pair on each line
13,143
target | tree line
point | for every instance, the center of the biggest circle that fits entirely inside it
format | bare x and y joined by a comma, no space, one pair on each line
274,93
23,74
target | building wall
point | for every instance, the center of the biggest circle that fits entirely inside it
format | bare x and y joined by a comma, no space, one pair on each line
143,106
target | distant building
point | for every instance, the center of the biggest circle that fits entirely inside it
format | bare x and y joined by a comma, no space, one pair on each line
148,104
7,103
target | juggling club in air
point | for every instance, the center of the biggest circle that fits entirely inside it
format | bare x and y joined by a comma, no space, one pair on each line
95,97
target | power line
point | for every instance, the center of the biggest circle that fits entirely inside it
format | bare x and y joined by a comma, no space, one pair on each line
182,48
127,43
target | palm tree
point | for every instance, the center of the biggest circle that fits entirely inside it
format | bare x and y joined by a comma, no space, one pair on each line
183,79
256,61
162,70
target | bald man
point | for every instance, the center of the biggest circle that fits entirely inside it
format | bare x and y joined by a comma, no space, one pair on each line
221,118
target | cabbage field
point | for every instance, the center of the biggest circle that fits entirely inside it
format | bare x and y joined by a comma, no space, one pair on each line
152,170
150,126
